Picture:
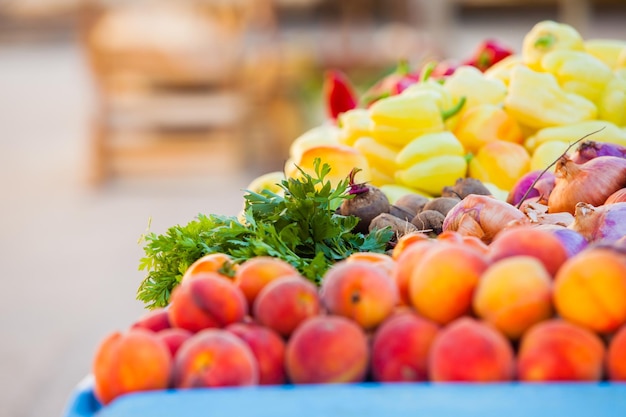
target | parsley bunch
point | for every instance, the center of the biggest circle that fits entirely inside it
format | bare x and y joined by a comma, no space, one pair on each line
301,227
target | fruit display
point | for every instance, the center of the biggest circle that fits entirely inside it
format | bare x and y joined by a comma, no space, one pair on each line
410,240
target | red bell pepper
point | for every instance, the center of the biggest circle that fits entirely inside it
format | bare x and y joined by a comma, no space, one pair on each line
339,93
488,52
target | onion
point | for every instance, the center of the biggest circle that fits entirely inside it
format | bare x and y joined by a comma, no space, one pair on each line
538,214
573,241
481,216
541,188
592,182
618,196
606,223
589,149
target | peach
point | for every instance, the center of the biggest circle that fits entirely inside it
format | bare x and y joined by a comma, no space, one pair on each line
386,262
173,338
407,240
213,262
327,349
284,303
400,348
406,263
616,356
206,301
557,350
442,285
526,240
155,320
128,362
267,347
590,290
360,291
215,358
468,350
513,294
255,273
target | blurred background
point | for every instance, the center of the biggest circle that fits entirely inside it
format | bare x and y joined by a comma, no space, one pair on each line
119,114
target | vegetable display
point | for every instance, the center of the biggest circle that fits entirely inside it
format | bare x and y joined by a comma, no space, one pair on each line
458,224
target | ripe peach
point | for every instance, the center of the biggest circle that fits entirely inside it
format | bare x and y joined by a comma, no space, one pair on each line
472,351
513,294
407,240
215,358
526,240
155,320
557,350
442,285
213,262
400,348
267,347
127,362
173,338
210,300
590,290
406,263
616,356
284,303
327,349
386,262
253,274
359,291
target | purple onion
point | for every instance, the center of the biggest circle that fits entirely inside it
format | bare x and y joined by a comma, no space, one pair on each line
543,186
573,241
589,149
604,223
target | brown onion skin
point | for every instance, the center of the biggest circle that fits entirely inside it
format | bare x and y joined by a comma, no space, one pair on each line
592,182
618,196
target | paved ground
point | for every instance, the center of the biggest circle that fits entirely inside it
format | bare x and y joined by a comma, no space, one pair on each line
69,254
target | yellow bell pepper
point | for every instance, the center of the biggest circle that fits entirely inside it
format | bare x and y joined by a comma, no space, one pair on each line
546,154
431,162
381,156
578,72
486,123
606,50
547,36
612,104
398,119
537,100
502,70
500,163
353,124
449,106
471,83
607,132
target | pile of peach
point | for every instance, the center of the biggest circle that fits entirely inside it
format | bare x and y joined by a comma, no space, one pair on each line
444,309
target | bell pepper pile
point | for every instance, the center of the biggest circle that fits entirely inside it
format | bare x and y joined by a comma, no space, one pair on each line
494,116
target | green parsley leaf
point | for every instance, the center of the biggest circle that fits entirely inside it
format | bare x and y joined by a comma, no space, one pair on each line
301,227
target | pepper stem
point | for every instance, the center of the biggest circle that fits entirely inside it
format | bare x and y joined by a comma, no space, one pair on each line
427,71
546,41
452,111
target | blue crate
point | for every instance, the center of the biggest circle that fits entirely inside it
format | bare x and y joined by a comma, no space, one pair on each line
364,400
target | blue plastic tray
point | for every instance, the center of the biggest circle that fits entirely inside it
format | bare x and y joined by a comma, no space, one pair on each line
363,400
